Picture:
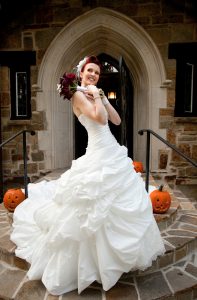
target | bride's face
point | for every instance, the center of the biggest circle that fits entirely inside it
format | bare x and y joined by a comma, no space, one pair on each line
90,74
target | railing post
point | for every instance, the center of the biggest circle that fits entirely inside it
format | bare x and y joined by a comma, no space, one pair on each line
149,131
25,163
147,159
24,154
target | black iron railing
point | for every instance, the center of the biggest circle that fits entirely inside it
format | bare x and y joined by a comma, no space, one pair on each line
149,132
23,132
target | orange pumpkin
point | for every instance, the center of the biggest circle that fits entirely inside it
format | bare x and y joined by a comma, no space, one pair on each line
12,198
161,200
138,166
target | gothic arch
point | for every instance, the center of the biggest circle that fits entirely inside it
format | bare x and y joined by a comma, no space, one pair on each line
116,35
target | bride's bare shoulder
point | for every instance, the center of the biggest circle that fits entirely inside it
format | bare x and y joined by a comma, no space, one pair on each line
78,97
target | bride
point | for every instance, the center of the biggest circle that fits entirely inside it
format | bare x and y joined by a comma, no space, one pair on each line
95,222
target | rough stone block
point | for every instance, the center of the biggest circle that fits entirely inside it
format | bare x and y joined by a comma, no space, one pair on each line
191,171
179,232
194,152
2,267
152,286
40,55
37,117
190,127
44,15
122,291
146,20
187,138
44,37
188,219
6,243
171,136
180,253
20,263
34,76
14,40
31,290
41,166
4,79
31,168
6,154
51,297
166,122
185,149
170,98
163,160
160,35
184,295
37,156
159,20
189,227
179,280
5,99
181,172
191,269
129,10
166,111
28,43
195,293
149,9
178,241
166,260
182,32
5,113
86,294
9,281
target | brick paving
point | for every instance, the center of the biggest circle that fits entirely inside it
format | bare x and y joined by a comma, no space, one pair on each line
171,277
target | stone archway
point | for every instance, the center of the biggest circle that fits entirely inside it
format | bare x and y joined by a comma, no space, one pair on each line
116,35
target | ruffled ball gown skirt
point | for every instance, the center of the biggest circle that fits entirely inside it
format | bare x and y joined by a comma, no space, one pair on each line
92,224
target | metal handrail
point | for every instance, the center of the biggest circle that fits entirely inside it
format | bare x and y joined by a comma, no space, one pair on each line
149,132
23,132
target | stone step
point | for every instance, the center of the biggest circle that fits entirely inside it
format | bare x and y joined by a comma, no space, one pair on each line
171,277
7,247
176,282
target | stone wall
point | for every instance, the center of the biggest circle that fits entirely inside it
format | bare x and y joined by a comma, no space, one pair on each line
12,152
34,27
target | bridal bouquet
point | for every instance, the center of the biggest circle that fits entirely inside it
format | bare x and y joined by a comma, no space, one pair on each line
69,85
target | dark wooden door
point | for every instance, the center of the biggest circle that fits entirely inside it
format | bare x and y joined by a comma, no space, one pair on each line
126,107
81,139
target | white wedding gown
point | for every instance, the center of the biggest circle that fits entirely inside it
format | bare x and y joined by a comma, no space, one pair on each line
92,224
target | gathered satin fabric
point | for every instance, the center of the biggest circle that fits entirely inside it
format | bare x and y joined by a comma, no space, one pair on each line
92,224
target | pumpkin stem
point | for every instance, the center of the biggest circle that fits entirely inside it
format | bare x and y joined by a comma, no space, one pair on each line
160,188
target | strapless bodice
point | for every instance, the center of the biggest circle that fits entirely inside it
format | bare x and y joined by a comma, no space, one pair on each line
98,135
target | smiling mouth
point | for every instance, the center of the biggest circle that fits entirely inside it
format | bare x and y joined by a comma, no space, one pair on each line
91,79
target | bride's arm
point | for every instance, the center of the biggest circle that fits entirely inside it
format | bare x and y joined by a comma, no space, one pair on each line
94,110
113,116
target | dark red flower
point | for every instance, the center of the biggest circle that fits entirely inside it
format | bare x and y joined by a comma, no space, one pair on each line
68,85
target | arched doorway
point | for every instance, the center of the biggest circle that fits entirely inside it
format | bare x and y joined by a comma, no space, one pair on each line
110,83
116,35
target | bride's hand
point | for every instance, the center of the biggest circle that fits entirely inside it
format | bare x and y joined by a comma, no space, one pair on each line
88,95
93,90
